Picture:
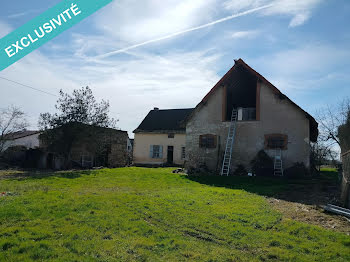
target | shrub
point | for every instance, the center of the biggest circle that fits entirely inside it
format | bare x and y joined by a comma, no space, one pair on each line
262,164
201,169
15,155
298,170
240,171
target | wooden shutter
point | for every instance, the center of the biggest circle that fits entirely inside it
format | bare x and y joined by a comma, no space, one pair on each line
281,141
160,151
151,151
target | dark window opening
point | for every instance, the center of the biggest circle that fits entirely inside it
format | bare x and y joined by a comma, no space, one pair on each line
276,141
241,88
207,141
171,135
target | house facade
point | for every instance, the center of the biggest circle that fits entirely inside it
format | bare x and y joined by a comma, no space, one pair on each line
161,138
267,119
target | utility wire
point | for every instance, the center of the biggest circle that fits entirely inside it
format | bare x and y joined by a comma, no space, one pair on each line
33,88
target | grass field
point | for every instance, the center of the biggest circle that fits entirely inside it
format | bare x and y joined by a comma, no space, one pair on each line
137,214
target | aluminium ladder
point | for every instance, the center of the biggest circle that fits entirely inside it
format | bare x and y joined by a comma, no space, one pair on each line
226,163
277,165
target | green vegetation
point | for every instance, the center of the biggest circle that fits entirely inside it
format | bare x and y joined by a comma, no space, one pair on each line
330,174
153,215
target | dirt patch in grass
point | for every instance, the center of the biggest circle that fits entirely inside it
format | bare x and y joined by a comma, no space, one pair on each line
312,192
311,214
304,202
19,174
11,173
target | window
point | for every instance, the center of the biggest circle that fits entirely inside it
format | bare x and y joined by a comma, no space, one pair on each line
183,152
276,141
207,141
156,151
171,135
248,114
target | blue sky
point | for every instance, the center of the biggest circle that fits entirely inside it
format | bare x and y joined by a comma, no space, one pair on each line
300,46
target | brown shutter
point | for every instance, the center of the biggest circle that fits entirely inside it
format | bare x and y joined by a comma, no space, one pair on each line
277,136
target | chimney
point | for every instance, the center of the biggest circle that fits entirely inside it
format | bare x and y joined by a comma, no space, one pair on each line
156,108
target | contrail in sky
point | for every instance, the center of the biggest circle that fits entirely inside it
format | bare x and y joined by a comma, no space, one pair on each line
185,31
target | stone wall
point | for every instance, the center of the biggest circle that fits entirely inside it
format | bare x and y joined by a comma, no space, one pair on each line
344,135
118,155
97,146
277,116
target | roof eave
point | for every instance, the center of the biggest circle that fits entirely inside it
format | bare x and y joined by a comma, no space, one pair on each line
182,131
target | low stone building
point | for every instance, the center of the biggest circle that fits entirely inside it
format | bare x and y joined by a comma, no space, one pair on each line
93,146
267,119
161,137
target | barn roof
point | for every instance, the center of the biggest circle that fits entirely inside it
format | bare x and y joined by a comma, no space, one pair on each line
20,134
164,120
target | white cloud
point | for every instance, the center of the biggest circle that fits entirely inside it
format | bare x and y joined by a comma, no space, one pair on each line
135,21
239,5
300,11
299,19
244,34
200,27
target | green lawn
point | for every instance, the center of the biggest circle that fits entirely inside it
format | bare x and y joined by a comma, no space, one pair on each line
138,214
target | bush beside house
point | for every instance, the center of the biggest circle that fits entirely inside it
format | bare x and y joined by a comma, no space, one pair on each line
298,170
262,164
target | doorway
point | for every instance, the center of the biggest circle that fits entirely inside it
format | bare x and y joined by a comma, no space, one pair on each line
170,158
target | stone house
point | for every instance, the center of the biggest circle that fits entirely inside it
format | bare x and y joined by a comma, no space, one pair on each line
161,137
267,119
94,146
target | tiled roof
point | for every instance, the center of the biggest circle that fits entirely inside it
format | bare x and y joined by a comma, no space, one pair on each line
21,134
164,120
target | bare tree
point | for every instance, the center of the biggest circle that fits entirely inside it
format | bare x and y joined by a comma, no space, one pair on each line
322,155
12,119
329,119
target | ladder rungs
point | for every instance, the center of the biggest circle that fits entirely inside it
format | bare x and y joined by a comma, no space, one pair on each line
229,144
